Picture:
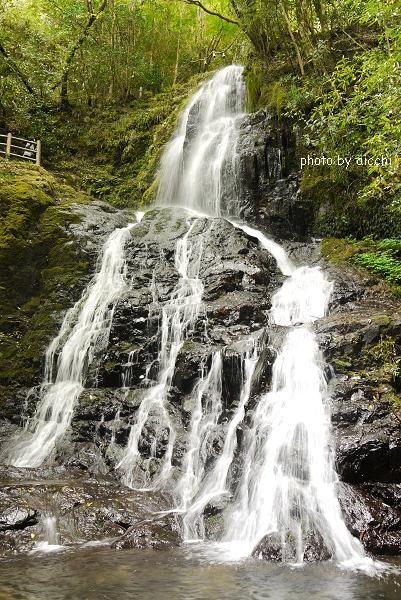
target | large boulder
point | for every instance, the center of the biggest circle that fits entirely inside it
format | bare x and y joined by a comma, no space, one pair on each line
238,278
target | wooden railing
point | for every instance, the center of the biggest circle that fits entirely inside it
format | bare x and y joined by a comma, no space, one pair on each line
11,146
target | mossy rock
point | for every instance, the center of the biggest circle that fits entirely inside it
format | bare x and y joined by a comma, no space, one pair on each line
41,268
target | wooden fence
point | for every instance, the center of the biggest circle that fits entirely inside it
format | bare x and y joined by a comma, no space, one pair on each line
11,146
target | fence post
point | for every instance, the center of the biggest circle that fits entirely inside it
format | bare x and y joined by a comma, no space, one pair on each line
8,146
38,152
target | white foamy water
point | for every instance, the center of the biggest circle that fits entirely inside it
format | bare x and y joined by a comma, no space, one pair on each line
50,535
179,315
84,331
303,297
199,164
215,484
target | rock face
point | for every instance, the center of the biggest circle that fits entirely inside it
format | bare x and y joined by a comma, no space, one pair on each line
374,522
268,172
361,340
236,277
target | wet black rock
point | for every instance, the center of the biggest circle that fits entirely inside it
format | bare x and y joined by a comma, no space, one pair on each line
157,533
376,524
367,435
238,279
314,549
269,179
236,276
84,509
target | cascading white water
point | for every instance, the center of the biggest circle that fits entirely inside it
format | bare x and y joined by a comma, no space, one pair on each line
198,168
287,485
287,491
277,251
202,433
50,535
213,485
179,314
84,331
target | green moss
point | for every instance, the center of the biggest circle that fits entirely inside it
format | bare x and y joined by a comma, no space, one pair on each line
384,357
393,399
41,270
341,251
342,364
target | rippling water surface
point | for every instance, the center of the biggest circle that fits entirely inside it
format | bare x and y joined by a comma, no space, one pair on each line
103,574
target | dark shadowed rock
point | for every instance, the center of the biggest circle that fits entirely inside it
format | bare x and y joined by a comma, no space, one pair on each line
158,534
376,524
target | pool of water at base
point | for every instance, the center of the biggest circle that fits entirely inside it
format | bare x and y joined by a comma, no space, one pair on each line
99,573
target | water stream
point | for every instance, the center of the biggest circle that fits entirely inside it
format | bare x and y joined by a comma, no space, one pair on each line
84,331
97,573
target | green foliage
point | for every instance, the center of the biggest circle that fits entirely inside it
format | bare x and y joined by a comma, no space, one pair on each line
113,153
384,263
333,70
134,49
382,257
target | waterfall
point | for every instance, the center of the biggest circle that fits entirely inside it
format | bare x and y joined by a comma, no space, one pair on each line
84,331
277,481
50,543
286,493
179,315
199,165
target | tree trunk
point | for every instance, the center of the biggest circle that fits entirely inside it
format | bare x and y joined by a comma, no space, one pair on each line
293,39
177,54
93,17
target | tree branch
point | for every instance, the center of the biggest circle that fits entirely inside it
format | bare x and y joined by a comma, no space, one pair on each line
211,12
293,39
13,65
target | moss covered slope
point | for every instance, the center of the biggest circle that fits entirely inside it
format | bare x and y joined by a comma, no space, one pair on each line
113,153
41,269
